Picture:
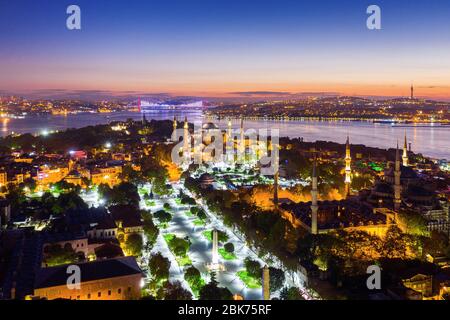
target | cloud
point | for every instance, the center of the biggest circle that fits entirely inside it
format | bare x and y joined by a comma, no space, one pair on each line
434,87
283,94
320,93
260,93
85,94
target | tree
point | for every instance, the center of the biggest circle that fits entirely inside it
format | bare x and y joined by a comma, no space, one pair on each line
395,244
69,201
253,268
16,196
277,278
174,291
194,278
163,216
291,293
167,206
30,183
63,185
188,200
221,236
134,244
212,291
229,247
201,214
159,267
179,246
130,175
194,210
414,223
153,170
437,244
125,193
55,254
150,230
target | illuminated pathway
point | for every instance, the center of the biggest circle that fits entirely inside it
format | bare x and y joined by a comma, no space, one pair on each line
200,251
176,273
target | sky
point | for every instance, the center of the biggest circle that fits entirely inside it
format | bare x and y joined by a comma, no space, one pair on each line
226,47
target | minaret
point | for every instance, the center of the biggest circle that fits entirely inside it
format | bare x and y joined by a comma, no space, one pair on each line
144,119
174,125
314,205
266,283
405,153
242,142
348,169
412,91
186,140
397,185
215,250
230,144
276,168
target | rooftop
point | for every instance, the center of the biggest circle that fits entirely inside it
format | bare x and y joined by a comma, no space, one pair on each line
90,271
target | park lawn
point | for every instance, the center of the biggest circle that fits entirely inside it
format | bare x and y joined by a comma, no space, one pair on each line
196,289
184,261
227,255
162,225
207,234
188,213
248,280
178,201
199,222
150,203
168,237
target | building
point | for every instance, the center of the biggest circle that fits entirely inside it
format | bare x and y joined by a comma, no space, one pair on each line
350,214
106,175
127,219
3,179
75,178
77,242
348,168
421,283
104,229
112,279
121,156
47,175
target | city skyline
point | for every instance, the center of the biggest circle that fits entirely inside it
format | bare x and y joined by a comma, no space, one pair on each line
226,49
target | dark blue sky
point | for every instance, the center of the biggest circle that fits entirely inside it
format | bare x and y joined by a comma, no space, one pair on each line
218,46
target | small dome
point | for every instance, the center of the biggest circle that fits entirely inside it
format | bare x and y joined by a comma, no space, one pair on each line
209,126
206,178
